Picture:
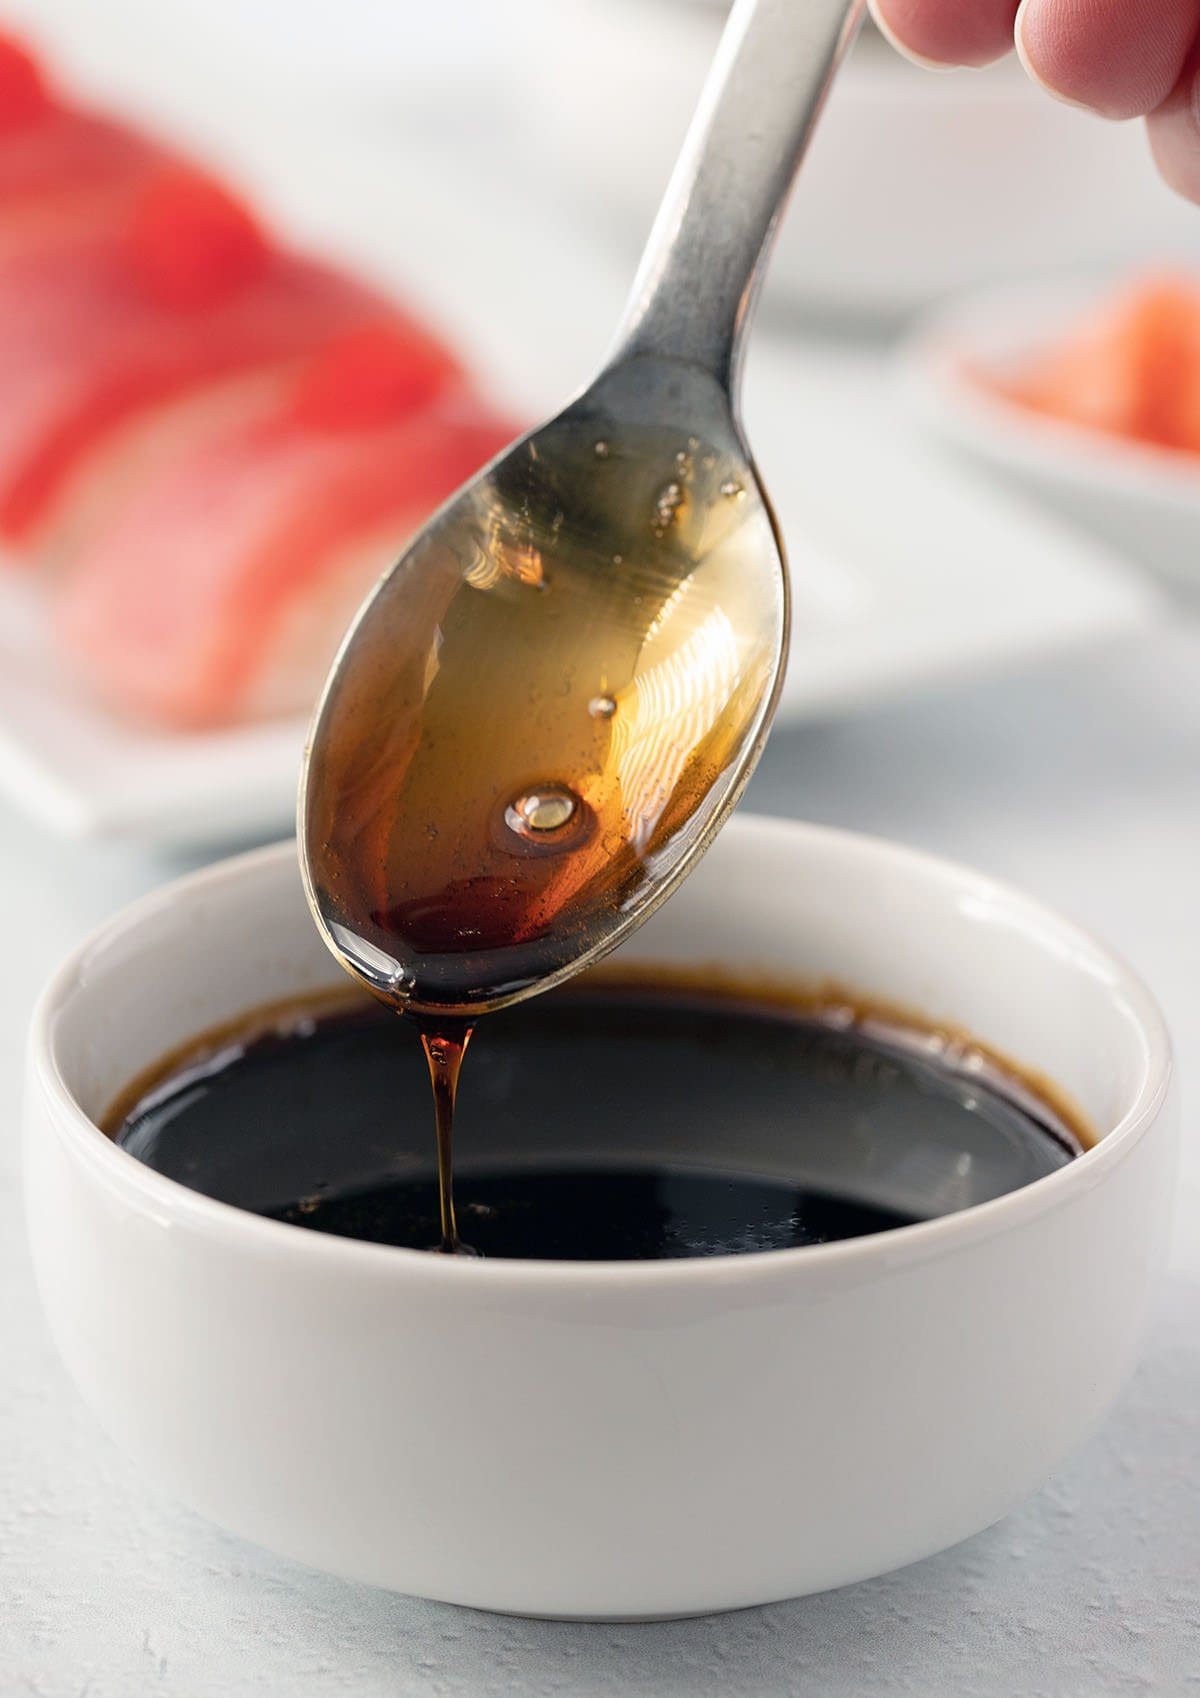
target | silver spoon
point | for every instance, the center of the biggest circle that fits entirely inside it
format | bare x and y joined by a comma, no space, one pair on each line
548,706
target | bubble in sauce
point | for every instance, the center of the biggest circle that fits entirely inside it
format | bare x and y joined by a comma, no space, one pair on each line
666,506
539,812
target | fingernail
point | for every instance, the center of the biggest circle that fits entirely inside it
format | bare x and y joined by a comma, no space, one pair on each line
1031,69
902,47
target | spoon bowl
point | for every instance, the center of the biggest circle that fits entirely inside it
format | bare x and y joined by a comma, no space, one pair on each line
551,702
553,699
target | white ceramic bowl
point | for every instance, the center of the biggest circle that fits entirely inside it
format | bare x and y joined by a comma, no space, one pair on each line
622,1439
918,183
1142,499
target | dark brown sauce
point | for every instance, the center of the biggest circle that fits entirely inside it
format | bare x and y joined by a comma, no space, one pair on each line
526,735
444,1043
538,720
607,1120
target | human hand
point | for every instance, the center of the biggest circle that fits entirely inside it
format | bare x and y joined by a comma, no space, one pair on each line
1121,58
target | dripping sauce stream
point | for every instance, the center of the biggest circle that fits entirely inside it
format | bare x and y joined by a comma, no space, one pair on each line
445,1043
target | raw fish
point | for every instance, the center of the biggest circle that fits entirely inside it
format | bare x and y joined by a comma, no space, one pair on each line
221,590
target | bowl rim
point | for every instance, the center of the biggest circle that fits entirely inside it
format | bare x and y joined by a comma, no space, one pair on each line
929,367
171,1202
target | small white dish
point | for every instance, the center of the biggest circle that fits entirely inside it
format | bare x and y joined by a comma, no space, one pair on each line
1141,499
908,570
620,1439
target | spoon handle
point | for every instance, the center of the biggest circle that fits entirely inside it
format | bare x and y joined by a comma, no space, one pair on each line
698,280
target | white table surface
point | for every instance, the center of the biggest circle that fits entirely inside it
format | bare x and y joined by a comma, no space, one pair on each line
1080,781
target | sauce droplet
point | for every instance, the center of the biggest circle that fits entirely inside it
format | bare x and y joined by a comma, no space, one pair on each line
548,809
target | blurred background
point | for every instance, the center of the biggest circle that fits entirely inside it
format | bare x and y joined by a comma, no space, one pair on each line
493,170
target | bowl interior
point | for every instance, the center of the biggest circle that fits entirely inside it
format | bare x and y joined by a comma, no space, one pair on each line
794,905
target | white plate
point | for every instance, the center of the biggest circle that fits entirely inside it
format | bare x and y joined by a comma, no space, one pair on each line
905,574
905,571
1143,499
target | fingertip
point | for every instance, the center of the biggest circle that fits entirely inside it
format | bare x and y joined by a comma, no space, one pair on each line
890,34
1105,55
1028,53
944,34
